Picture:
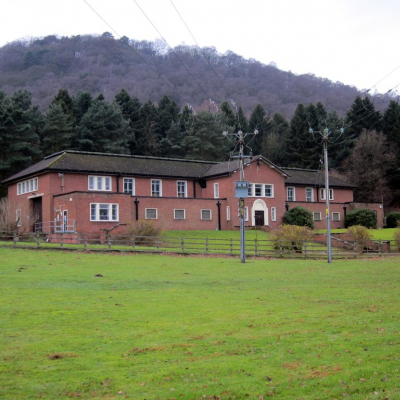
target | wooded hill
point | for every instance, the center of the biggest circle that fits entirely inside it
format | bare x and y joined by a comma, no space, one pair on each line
149,70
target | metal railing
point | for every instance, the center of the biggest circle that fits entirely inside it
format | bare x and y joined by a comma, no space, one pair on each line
55,226
207,246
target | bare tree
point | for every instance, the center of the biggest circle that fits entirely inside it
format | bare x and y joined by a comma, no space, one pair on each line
368,166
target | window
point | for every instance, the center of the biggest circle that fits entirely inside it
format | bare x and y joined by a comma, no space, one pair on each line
151,213
100,183
129,186
258,189
317,216
30,185
103,212
156,188
309,195
273,213
291,194
18,217
246,213
181,188
216,190
323,194
206,215
179,214
269,190
228,213
335,216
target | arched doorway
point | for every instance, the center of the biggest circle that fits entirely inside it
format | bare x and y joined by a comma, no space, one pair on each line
259,213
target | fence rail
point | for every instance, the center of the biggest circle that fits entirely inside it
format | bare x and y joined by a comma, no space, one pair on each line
228,247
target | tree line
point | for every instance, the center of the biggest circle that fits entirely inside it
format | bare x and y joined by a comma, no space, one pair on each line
366,153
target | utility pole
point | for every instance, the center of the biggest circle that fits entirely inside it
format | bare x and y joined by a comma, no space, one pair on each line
241,186
325,135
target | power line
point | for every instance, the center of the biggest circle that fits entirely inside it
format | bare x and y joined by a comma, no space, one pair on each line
127,43
176,55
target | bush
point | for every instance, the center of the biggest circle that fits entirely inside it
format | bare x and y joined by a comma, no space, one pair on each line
396,237
392,219
361,235
7,221
363,217
145,232
299,216
291,237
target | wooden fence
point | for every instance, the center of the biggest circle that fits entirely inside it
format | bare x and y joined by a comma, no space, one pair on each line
228,247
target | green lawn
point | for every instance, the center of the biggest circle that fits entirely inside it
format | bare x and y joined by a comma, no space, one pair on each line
163,327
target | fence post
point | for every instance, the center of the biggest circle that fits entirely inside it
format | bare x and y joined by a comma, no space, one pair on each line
280,248
380,247
355,248
305,248
182,245
15,238
255,247
206,244
158,243
108,241
231,247
85,241
61,239
37,239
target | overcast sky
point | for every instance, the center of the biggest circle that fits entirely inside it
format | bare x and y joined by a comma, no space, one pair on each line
352,41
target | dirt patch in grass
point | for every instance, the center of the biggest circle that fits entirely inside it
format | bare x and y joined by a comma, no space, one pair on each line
59,356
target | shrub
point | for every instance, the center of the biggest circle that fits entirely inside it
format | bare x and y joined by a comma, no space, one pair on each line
291,237
299,216
363,217
361,235
392,219
145,232
396,237
7,221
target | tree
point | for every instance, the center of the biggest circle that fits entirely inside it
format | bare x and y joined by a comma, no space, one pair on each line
241,123
168,112
204,140
361,217
149,136
368,165
229,114
81,104
258,121
65,101
299,216
103,129
57,133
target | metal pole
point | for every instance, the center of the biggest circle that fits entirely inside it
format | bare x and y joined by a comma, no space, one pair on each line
241,202
328,213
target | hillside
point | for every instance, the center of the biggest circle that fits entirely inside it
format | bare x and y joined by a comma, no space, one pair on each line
106,65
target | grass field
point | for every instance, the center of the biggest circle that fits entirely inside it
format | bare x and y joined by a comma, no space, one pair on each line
163,327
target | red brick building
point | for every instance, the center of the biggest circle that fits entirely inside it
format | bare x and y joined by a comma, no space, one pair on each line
93,192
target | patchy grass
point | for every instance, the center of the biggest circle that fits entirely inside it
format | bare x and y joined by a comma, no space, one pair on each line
94,326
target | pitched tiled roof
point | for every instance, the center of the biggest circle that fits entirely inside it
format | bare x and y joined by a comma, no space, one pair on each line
100,163
309,177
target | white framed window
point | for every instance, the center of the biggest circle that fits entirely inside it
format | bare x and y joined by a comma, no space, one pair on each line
129,186
179,214
181,188
323,194
216,190
206,215
31,185
316,216
246,213
309,195
228,213
156,188
250,190
104,212
258,190
335,216
151,213
273,213
100,183
269,190
291,193
18,217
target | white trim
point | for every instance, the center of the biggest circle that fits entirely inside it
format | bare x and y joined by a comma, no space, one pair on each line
216,190
273,214
201,214
320,216
110,208
312,194
28,186
228,213
180,209
261,189
133,185
159,189
294,193
100,183
177,189
36,195
338,214
18,217
322,193
259,205
145,213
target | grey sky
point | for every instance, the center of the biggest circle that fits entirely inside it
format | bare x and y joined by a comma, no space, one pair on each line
352,41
